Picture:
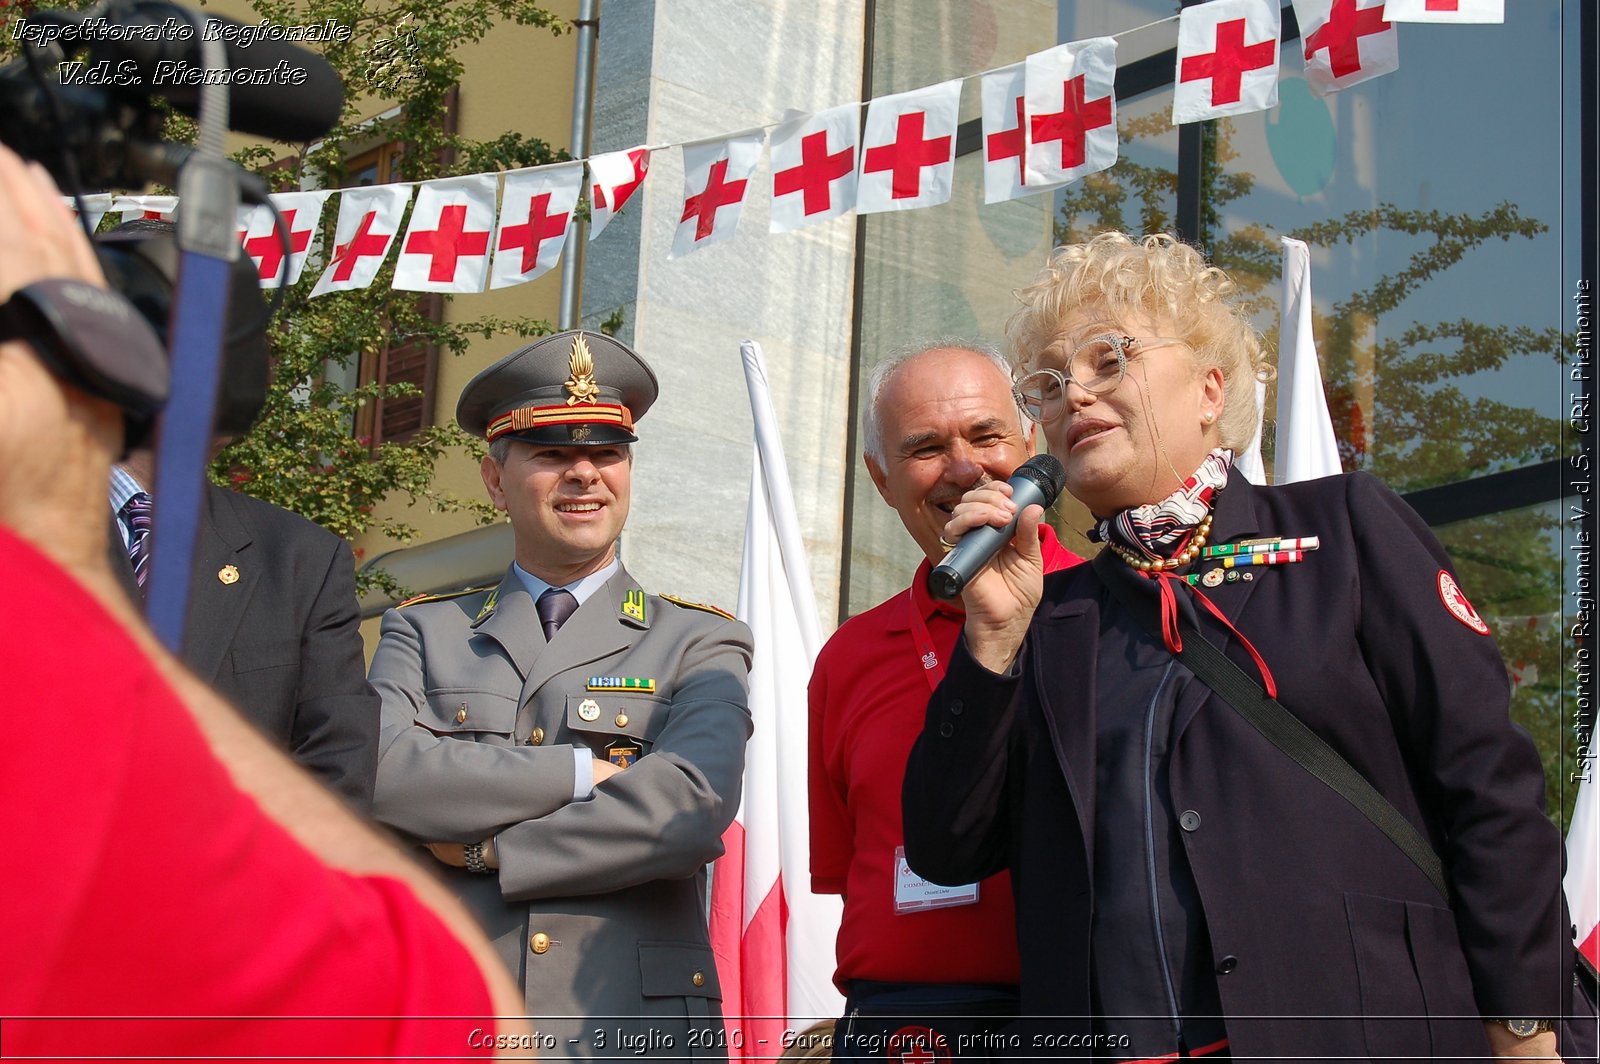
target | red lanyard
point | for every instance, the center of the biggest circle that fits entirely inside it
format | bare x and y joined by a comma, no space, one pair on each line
927,653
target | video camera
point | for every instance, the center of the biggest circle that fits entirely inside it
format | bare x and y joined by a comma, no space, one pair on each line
81,101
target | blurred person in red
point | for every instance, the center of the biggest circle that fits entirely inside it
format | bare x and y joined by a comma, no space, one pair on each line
176,879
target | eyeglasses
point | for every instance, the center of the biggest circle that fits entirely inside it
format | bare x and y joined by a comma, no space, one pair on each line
1097,366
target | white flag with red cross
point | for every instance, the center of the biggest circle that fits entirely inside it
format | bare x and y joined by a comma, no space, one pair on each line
1227,59
369,219
136,208
1072,110
95,204
1457,11
446,246
908,153
265,245
616,176
1003,105
814,167
716,176
535,213
1345,42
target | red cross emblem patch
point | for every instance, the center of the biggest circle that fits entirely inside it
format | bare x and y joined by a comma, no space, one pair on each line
916,1045
1456,602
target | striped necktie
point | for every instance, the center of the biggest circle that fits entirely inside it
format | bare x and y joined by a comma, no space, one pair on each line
136,512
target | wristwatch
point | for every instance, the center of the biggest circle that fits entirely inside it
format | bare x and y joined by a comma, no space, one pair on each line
1525,1028
472,853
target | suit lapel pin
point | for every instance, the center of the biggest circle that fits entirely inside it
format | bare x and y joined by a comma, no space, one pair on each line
228,574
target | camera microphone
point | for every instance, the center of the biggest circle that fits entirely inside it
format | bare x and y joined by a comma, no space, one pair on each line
276,89
1036,481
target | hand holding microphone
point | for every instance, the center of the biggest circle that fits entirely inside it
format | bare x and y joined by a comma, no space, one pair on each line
1000,603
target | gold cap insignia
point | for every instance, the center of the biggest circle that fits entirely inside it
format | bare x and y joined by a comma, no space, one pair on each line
581,386
228,574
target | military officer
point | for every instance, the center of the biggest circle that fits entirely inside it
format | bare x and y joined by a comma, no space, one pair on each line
567,746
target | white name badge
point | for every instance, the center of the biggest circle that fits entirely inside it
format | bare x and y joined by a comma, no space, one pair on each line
914,894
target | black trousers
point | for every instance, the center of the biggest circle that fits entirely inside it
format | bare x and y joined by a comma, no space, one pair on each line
891,1022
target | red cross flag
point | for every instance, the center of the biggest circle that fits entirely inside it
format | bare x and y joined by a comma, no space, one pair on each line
134,208
446,246
716,175
1227,59
264,245
369,218
1458,11
909,149
814,167
1005,136
535,211
1346,42
1072,110
96,204
616,177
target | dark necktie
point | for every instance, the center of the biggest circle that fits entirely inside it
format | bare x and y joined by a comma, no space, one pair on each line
554,607
136,511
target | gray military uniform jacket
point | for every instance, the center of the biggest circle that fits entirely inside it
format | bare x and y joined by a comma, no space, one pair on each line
598,907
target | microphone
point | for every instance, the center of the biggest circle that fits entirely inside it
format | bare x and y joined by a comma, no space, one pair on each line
1038,480
275,89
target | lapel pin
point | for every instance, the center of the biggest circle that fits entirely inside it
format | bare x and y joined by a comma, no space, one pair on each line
228,574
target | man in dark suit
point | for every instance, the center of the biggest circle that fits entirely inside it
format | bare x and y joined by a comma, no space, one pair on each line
274,627
273,623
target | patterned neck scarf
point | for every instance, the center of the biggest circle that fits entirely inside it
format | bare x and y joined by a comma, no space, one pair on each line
1163,529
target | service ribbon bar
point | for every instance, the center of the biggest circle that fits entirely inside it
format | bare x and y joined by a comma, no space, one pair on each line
1224,550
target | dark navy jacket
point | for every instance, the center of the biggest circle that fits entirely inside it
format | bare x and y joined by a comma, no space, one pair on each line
1326,939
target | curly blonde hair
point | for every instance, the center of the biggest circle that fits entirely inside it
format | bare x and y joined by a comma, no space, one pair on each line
1156,277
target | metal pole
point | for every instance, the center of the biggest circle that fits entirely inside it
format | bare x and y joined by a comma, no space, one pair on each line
588,25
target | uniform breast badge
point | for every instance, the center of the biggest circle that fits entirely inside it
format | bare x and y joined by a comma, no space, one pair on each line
589,710
623,754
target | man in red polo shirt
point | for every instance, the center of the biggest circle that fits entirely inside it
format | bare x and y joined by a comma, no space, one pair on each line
921,966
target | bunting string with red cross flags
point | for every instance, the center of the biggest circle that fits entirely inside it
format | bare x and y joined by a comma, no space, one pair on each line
1046,121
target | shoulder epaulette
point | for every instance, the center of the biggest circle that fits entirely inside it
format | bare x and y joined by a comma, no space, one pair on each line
443,596
686,604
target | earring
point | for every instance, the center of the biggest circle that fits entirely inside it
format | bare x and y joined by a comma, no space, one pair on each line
1209,417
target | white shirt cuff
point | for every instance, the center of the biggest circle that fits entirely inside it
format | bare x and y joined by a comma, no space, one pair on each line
582,773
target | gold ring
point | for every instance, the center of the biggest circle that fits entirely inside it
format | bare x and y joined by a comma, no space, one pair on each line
946,544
